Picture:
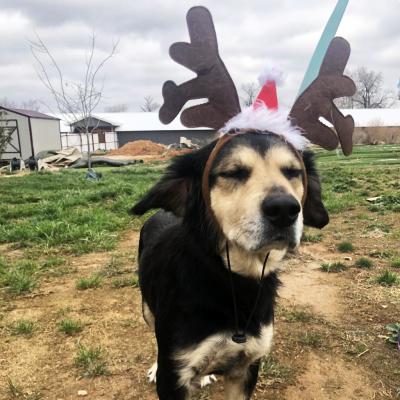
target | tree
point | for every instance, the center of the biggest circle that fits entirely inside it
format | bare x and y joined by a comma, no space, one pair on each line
6,102
116,108
30,104
250,91
149,105
370,91
78,99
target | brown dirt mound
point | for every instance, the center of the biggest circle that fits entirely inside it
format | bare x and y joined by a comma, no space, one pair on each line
139,148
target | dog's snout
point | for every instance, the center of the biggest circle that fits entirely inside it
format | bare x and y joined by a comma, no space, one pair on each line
281,211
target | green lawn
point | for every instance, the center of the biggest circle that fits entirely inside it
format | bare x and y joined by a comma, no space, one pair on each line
371,171
64,212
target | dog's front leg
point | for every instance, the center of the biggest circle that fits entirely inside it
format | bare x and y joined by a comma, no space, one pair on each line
241,387
167,381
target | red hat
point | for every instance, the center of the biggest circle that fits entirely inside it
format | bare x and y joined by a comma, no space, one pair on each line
269,79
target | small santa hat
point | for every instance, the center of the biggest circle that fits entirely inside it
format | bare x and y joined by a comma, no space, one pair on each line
269,79
264,114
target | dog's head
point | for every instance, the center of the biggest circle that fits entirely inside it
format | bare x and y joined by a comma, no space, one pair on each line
260,192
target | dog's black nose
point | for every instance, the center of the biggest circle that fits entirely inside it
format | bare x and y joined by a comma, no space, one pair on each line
281,211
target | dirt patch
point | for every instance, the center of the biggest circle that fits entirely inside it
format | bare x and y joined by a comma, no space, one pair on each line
304,284
328,378
140,148
324,366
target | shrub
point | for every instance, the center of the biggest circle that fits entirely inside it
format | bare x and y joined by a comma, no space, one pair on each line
363,262
345,247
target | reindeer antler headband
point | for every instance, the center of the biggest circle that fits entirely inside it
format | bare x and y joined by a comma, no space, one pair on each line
214,83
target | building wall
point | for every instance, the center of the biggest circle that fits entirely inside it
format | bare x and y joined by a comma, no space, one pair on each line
23,128
79,141
46,134
166,137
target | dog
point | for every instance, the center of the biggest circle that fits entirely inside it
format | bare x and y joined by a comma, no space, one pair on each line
208,264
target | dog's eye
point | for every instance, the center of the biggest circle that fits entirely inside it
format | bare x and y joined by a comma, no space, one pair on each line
291,173
238,173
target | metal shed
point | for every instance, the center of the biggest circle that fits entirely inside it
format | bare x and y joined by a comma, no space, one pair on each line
31,132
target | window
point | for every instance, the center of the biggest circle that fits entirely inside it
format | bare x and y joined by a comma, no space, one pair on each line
102,137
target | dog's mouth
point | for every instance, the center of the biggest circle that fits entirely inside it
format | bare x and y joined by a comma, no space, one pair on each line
276,240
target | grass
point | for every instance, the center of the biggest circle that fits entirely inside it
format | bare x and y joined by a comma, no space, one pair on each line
381,254
393,333
345,247
333,267
54,216
364,263
63,211
124,282
91,362
93,282
15,391
311,339
70,327
395,263
312,238
275,372
53,262
22,327
297,314
114,267
387,278
18,277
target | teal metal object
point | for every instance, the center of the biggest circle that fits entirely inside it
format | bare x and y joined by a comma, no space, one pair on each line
323,44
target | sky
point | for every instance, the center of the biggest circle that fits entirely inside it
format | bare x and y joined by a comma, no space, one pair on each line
250,33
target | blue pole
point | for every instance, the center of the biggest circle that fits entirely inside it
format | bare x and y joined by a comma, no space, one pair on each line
323,44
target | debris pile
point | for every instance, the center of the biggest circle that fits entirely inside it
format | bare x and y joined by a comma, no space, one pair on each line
139,148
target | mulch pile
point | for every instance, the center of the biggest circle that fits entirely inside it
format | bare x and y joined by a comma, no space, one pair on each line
140,148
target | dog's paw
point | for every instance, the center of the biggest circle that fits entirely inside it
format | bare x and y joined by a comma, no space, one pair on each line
152,373
207,380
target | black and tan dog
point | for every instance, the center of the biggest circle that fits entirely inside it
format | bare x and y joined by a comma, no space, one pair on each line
201,260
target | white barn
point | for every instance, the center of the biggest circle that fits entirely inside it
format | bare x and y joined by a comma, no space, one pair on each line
112,130
31,132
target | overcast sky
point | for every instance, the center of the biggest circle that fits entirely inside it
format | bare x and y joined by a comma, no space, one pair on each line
250,33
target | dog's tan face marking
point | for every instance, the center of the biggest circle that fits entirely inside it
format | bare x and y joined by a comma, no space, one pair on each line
245,177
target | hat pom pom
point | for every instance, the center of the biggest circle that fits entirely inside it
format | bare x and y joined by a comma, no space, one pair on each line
271,73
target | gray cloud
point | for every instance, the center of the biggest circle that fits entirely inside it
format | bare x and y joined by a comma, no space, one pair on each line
250,33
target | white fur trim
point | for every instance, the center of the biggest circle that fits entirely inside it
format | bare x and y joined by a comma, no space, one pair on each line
271,73
263,119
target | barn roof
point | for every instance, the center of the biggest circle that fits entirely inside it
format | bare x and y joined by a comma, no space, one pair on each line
148,121
131,121
29,113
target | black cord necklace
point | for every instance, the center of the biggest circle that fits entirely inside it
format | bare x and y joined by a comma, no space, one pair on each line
240,337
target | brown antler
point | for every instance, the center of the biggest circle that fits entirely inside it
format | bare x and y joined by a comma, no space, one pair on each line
212,81
317,101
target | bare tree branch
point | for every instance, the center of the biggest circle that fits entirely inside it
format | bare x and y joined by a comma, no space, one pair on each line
370,91
149,105
116,108
76,100
250,92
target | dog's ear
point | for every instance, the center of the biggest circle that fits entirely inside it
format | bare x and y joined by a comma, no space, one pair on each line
179,181
314,211
170,194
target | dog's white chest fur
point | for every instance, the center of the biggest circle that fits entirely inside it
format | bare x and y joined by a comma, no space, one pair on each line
219,352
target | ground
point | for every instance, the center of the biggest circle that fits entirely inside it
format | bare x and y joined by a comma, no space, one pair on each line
70,316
